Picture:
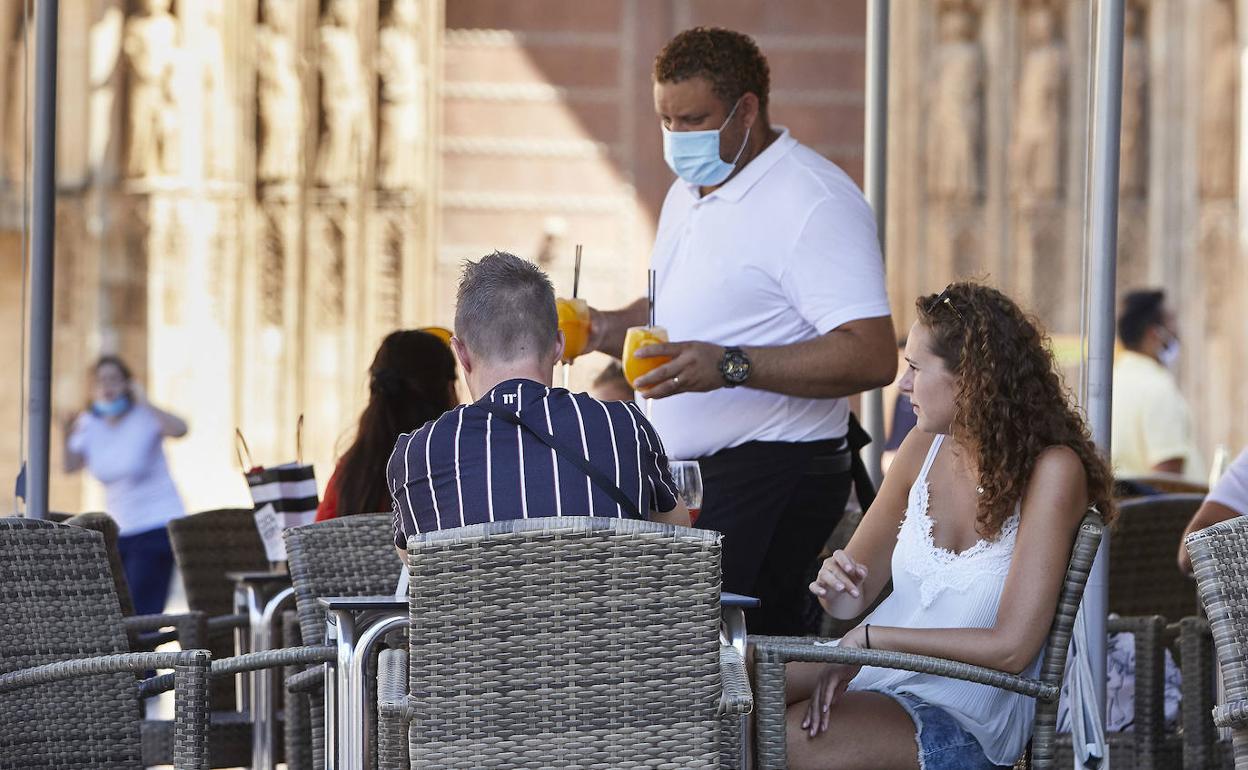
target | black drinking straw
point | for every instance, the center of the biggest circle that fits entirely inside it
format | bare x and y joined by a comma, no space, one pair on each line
650,293
576,272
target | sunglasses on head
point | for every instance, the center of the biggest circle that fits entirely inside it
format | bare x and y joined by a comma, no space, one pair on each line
944,299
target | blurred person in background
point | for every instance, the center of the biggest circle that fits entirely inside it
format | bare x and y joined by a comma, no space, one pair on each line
1152,426
119,440
411,381
612,385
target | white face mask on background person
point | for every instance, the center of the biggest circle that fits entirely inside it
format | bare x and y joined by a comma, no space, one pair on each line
694,155
1169,354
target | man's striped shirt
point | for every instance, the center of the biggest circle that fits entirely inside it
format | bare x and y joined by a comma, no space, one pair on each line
469,467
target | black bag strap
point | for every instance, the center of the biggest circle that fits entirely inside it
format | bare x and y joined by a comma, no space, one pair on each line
567,453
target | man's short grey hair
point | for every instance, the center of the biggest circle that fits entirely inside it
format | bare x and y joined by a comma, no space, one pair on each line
505,309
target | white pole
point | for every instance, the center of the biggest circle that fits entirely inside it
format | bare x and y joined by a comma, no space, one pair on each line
875,173
1101,251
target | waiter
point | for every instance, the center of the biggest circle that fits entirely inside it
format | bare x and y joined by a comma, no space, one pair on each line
771,284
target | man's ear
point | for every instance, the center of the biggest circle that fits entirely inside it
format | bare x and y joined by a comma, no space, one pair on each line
560,343
462,353
749,106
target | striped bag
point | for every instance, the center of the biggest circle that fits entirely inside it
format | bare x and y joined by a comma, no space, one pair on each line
284,495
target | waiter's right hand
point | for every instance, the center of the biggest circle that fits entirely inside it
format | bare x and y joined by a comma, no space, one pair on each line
839,575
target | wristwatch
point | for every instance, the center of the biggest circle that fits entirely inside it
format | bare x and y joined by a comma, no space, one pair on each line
734,367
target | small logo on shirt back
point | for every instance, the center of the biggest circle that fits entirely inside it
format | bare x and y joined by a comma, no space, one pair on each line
509,398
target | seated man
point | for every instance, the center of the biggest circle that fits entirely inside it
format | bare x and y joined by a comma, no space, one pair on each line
524,449
1228,499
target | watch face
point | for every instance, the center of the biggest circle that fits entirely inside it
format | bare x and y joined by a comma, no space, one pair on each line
736,367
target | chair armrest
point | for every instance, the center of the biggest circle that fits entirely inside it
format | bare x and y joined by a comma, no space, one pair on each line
219,623
190,684
1231,715
784,649
189,630
772,653
305,681
252,661
394,710
736,698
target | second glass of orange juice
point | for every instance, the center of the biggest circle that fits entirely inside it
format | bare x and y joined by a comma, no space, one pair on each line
574,323
637,338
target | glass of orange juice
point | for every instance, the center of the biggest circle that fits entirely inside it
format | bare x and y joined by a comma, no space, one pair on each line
574,323
637,338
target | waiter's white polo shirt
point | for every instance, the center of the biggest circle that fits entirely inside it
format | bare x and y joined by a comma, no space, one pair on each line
784,252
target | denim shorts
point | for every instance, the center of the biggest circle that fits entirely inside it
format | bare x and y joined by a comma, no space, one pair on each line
943,743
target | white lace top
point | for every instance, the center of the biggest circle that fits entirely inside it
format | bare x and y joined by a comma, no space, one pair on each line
936,588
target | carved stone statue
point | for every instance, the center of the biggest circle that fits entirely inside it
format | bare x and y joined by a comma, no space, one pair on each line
1133,175
151,49
343,97
956,109
401,107
280,106
1218,104
331,247
11,59
1036,151
219,131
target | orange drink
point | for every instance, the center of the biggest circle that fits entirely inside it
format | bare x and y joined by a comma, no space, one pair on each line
440,332
574,323
637,338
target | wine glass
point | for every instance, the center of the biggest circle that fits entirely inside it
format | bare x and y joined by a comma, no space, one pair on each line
688,478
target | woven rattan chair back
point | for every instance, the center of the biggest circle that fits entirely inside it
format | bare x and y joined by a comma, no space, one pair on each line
58,601
207,546
104,524
1220,561
565,642
1087,540
1144,578
346,556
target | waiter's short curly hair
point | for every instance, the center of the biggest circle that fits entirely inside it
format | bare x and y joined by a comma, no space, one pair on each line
729,60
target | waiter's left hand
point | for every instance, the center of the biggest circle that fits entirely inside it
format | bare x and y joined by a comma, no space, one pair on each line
694,368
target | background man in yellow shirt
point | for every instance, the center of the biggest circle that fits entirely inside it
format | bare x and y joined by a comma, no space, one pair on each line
1152,428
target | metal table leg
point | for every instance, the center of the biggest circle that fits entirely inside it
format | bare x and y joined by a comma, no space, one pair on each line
348,739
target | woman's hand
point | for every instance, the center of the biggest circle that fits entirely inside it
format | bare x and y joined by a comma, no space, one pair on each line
830,685
839,576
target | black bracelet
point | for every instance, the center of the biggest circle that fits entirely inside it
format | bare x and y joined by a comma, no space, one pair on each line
867,630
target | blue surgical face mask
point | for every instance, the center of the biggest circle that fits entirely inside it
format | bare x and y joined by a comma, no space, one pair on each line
694,155
111,408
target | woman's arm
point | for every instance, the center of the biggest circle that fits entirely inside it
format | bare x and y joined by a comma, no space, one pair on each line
171,426
71,461
850,580
1053,505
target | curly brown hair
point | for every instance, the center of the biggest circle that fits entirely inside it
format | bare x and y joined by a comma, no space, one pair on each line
1011,405
729,60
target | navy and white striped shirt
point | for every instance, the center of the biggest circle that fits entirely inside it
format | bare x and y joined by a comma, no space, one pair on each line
468,467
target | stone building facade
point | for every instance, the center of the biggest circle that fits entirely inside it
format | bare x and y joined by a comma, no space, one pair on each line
253,192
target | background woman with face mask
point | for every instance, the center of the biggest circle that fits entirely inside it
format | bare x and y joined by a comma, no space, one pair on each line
119,439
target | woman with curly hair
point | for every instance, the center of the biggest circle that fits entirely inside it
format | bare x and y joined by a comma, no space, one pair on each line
973,525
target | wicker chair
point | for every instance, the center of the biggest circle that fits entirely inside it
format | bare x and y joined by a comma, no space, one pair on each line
346,556
207,546
1220,559
67,677
562,642
772,653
